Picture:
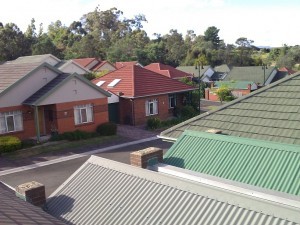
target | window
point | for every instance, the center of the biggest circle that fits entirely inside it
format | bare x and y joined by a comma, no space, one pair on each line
114,83
172,101
11,121
151,107
83,114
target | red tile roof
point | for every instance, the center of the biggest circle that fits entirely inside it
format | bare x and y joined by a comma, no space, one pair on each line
285,69
138,82
122,64
167,70
85,61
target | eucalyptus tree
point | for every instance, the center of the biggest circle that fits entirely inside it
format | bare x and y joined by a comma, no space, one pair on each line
13,42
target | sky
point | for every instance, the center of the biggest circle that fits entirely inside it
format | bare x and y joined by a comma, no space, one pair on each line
266,22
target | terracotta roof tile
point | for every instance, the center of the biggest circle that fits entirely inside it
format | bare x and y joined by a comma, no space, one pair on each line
167,70
84,61
137,82
119,65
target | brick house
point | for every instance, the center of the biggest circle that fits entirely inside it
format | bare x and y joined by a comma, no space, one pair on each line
37,99
95,65
237,88
138,93
168,71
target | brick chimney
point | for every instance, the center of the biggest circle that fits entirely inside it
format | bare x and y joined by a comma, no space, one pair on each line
32,192
207,93
249,87
141,158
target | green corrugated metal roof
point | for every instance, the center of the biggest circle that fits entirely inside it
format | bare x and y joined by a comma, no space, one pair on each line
269,113
264,164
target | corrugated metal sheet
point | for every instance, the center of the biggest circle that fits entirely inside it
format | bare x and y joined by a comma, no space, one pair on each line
272,112
107,192
264,164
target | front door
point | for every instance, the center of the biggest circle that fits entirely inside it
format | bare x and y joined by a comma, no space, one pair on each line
41,120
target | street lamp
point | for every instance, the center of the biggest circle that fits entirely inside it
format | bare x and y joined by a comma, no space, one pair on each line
264,67
199,66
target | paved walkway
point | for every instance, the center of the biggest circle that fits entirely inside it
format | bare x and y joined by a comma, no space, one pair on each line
135,133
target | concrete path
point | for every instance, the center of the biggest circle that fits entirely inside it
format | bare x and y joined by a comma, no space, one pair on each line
135,133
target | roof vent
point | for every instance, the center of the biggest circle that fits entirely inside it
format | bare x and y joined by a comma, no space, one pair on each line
214,131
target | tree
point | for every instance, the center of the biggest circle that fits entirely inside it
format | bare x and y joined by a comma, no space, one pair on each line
13,43
212,35
244,51
44,45
223,92
175,48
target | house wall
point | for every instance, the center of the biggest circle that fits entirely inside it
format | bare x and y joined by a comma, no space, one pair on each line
27,87
271,77
28,122
209,72
92,64
73,90
52,61
64,115
134,112
106,66
73,68
212,96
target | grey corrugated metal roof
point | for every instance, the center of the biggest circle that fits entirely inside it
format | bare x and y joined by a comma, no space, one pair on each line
270,113
14,210
102,191
251,73
265,164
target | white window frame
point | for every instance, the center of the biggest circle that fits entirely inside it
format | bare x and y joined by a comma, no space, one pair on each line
17,118
172,96
151,104
79,111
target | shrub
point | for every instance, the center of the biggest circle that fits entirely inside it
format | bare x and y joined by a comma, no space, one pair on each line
72,136
153,123
9,144
107,129
188,112
229,98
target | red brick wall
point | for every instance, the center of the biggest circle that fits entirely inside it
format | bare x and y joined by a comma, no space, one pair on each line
65,115
28,122
209,95
138,107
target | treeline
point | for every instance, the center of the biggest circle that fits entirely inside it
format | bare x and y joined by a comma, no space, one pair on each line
110,36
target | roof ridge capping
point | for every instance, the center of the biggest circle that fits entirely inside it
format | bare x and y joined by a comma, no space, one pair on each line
258,91
242,140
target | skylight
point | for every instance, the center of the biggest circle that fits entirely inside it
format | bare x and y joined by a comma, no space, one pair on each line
114,82
100,83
